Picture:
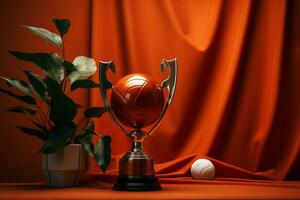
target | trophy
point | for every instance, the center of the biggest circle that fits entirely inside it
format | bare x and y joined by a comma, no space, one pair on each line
137,105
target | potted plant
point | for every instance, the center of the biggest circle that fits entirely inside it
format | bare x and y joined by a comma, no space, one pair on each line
52,111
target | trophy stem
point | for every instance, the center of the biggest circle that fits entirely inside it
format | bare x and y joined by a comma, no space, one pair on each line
137,146
137,140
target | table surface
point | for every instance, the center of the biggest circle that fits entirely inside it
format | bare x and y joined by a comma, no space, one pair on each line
202,190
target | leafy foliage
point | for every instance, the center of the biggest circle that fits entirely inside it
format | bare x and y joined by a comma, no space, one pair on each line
25,98
69,67
53,38
47,97
86,139
62,25
33,132
37,83
50,64
84,84
94,112
103,152
85,67
41,127
22,109
21,85
63,109
59,136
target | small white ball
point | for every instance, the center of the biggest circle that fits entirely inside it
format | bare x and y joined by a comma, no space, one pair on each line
203,169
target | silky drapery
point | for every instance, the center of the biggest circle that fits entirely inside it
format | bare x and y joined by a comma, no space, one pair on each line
237,99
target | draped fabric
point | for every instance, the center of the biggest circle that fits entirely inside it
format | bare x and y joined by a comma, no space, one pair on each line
237,100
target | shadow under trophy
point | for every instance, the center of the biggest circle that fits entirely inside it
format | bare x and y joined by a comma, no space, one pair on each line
137,102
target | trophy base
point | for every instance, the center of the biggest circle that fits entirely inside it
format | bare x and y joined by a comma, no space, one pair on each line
137,183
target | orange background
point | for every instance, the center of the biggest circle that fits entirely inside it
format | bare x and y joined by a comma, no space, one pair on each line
237,97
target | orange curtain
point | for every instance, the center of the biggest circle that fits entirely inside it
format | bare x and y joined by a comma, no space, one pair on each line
238,93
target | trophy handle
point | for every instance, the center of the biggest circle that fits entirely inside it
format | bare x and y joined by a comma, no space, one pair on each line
170,84
104,86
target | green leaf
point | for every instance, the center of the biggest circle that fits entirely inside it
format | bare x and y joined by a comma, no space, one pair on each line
94,112
37,83
85,67
21,85
103,152
22,109
84,84
33,132
78,106
26,98
62,25
88,145
69,67
50,64
53,38
50,84
63,109
90,129
86,138
58,137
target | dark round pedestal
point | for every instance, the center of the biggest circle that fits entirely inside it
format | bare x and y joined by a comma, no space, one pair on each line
137,183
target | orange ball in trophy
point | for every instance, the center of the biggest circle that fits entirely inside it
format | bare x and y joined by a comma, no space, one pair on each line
137,100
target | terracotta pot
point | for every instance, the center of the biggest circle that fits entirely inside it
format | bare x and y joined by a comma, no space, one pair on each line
63,168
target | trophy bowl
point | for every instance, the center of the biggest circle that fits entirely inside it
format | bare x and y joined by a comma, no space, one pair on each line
137,101
137,105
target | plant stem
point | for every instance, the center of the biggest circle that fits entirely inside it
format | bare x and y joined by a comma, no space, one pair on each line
81,121
64,57
69,92
42,115
63,48
37,121
93,132
47,114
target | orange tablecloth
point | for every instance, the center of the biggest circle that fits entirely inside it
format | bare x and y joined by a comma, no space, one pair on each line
189,190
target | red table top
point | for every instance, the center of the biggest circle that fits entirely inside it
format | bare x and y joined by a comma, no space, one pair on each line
202,190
